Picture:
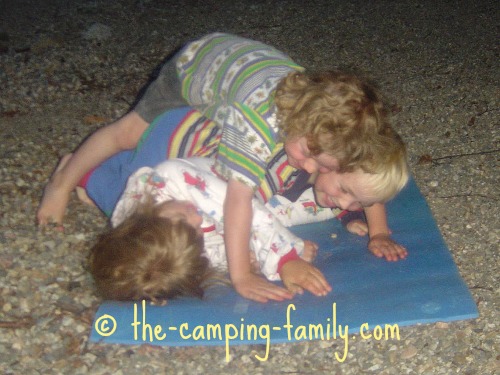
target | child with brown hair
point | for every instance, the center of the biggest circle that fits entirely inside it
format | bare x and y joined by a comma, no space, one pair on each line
167,239
265,119
151,255
165,216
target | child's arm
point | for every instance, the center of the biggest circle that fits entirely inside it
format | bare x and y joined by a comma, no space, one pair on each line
123,134
237,226
298,275
381,244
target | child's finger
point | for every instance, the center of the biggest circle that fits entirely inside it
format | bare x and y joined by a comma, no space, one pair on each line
397,252
317,284
264,296
261,290
295,289
376,251
402,252
274,293
279,292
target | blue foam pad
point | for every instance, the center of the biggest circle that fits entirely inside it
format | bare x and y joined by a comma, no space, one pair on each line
369,294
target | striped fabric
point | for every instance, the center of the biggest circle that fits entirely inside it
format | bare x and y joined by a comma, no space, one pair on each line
279,175
194,136
231,80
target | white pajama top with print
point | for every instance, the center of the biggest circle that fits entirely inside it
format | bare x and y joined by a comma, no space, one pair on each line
193,180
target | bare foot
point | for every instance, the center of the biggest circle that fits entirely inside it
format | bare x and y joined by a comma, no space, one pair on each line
310,251
55,199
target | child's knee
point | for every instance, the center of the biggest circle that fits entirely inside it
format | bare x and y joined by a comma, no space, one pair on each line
129,130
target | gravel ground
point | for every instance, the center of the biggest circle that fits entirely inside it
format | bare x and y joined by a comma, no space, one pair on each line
71,66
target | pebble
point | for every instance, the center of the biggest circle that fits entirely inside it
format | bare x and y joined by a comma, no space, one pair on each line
409,352
98,32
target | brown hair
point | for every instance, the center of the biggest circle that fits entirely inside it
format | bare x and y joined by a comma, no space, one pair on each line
340,115
149,257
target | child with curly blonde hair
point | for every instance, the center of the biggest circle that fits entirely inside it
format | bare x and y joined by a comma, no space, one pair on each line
261,118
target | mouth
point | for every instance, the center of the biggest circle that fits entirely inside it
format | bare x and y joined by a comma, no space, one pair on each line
324,200
330,202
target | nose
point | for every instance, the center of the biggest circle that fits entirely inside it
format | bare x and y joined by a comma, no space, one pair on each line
345,203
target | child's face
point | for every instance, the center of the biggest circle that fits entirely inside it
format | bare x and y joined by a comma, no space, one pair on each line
348,191
299,157
183,210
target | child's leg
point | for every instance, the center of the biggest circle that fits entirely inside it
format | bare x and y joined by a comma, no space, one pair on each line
105,184
107,141
163,94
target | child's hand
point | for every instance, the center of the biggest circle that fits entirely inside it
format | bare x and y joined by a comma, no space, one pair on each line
358,227
310,251
258,289
298,275
381,245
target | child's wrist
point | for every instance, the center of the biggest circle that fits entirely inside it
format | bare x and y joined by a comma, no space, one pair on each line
380,235
240,274
291,255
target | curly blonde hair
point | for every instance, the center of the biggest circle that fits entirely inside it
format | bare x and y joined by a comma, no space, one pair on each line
149,257
340,115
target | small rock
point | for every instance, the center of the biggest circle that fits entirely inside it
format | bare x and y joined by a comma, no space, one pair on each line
409,352
442,325
97,32
324,344
6,307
